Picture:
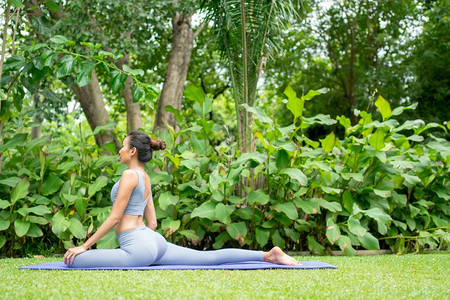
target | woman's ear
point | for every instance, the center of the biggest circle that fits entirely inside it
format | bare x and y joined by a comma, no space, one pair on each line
133,151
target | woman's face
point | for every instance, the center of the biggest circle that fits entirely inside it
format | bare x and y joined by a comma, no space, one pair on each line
125,151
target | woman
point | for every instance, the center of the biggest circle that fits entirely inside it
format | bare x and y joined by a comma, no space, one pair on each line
139,244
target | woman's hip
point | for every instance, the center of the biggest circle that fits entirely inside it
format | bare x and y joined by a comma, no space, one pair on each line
142,236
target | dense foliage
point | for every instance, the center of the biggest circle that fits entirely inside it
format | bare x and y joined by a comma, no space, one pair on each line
383,184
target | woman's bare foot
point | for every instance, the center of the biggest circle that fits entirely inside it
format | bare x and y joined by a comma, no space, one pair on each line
277,256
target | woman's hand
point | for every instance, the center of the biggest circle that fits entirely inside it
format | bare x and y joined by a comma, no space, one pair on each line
70,254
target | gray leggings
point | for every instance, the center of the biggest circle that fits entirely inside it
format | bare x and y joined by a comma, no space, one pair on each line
142,247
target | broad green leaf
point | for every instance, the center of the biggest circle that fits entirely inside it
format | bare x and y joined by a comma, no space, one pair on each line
328,142
190,234
65,66
18,139
194,93
377,139
383,194
377,214
34,231
10,181
58,39
132,71
295,174
37,220
116,81
410,180
314,246
383,107
295,105
353,176
4,204
20,190
2,241
312,93
344,121
332,231
36,47
221,239
355,227
237,231
169,226
288,209
259,113
328,205
223,213
206,210
258,197
166,199
59,223
105,53
292,234
369,242
347,201
17,3
51,184
4,224
318,119
98,184
39,210
283,159
14,62
137,92
80,206
21,227
399,110
52,6
109,241
108,126
307,206
277,240
76,228
346,245
84,73
262,236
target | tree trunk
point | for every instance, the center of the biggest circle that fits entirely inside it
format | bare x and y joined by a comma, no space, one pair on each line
134,119
176,71
91,100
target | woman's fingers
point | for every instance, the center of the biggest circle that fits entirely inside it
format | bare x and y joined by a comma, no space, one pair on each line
69,257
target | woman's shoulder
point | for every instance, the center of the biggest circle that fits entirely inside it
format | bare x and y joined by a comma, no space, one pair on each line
130,176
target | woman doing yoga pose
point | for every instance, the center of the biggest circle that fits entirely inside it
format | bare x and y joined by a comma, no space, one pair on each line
140,245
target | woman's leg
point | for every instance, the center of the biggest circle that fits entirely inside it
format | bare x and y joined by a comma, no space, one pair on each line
139,247
176,255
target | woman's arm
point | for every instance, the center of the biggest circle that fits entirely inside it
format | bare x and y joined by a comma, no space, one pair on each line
149,213
127,184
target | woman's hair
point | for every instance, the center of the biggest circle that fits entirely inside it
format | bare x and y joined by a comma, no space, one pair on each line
145,145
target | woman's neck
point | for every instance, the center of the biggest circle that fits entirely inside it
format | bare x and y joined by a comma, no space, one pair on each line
135,165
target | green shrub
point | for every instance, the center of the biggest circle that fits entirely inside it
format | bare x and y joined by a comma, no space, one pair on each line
383,184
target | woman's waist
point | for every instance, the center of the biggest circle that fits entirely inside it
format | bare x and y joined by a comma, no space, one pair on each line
129,222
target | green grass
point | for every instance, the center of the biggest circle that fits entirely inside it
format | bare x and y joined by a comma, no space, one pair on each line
420,276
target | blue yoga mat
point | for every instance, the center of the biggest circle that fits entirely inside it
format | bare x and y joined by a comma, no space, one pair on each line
248,265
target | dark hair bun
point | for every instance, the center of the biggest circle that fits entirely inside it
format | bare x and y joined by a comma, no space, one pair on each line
157,145
145,145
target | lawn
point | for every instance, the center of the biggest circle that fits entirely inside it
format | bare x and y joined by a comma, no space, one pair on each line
412,276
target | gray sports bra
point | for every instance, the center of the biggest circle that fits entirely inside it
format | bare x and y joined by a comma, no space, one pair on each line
135,205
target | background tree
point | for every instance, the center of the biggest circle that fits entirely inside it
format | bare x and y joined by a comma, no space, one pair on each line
431,65
355,48
183,37
246,33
